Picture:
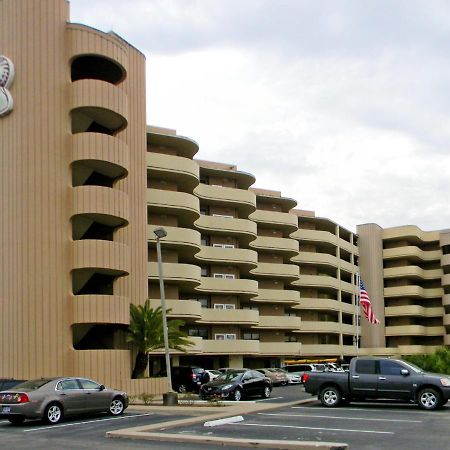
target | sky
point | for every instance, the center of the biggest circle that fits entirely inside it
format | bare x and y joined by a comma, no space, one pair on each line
342,105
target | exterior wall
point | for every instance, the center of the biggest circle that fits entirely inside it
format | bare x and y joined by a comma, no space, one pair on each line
72,153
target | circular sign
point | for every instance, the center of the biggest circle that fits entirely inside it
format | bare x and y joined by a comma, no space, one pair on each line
6,79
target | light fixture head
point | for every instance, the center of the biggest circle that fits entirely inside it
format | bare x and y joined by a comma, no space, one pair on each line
160,232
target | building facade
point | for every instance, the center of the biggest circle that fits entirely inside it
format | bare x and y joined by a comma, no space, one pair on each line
84,184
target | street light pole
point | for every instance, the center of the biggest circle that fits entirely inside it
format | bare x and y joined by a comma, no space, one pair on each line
160,233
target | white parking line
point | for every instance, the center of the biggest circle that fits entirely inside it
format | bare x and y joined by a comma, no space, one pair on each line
339,417
312,428
53,427
267,399
412,411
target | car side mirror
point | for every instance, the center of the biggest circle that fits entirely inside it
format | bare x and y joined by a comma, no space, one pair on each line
404,372
102,387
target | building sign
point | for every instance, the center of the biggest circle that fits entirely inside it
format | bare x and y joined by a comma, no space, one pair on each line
6,79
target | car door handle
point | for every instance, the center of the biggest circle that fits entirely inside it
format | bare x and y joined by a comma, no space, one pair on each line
355,376
381,378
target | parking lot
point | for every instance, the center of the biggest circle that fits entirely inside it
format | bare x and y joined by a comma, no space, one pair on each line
374,426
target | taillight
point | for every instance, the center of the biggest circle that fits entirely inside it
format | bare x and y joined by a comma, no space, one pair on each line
305,378
23,398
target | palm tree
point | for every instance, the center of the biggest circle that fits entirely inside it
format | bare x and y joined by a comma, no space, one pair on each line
146,333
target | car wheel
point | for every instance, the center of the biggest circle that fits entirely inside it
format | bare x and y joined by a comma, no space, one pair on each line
53,413
237,395
182,389
266,392
117,407
284,383
330,396
16,420
429,399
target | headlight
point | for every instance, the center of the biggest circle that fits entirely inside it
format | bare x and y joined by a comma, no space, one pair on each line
445,381
226,387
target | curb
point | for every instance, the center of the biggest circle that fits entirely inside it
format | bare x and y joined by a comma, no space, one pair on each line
153,432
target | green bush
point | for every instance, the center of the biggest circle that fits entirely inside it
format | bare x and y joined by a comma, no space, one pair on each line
438,362
147,398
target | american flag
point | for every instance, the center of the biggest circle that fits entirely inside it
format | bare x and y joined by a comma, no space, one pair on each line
364,300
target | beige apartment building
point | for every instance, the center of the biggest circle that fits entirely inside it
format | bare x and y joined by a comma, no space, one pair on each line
85,183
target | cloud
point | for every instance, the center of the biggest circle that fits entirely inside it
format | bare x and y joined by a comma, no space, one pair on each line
343,106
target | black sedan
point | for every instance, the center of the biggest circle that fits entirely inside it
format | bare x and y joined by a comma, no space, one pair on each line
236,384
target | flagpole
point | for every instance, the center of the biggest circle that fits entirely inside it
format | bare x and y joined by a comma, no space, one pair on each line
358,296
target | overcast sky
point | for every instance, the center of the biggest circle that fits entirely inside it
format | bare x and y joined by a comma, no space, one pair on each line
342,105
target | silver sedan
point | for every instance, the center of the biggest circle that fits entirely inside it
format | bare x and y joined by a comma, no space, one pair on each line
50,399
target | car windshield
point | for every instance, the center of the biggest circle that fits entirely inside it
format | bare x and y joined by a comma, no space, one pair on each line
31,385
229,376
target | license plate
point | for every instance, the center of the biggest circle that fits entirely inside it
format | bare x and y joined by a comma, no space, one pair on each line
6,409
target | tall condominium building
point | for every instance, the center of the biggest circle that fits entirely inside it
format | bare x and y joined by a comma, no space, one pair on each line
407,272
85,183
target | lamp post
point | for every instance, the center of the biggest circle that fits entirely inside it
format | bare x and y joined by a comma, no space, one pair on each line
170,397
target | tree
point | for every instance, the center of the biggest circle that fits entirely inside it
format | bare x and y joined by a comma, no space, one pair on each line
438,362
146,333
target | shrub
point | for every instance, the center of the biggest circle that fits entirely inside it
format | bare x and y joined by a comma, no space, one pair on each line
438,362
147,398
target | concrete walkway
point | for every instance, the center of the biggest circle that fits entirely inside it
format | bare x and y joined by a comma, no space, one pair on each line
206,413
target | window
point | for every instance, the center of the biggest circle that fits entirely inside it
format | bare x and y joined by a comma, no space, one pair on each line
224,245
390,368
204,240
204,301
204,271
198,332
290,338
227,276
250,335
223,215
224,337
67,385
224,306
204,211
89,384
365,366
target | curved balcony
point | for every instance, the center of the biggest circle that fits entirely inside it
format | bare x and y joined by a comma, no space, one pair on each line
309,326
277,296
185,241
187,276
100,309
242,287
280,348
240,257
106,154
232,316
111,257
411,253
342,243
315,236
412,291
182,171
445,260
185,206
414,330
279,323
230,347
348,287
446,300
243,179
412,272
184,146
102,201
288,223
325,304
446,280
288,272
327,350
316,259
446,340
267,198
317,281
84,40
286,246
181,309
413,310
411,233
100,102
244,201
245,230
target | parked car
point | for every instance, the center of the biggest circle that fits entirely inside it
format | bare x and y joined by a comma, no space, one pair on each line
237,384
301,369
210,374
276,377
375,378
187,378
292,377
50,399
